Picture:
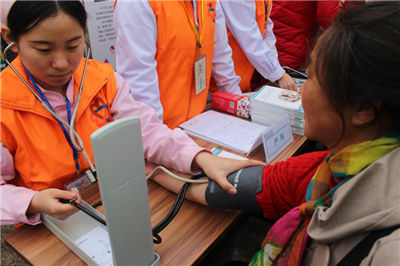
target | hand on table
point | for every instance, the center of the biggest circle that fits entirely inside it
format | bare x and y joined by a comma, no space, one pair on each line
48,201
286,82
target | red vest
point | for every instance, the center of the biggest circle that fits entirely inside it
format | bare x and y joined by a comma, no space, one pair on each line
296,26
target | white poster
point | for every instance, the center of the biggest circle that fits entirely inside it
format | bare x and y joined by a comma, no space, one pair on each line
101,30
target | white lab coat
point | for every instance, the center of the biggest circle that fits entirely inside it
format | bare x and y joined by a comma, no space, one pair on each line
136,48
259,50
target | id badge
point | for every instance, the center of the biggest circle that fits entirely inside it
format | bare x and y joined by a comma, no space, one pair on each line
200,74
80,183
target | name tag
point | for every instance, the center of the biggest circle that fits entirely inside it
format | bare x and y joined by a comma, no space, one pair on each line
80,183
276,138
200,74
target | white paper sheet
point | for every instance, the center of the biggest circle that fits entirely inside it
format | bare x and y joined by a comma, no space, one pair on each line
228,131
96,244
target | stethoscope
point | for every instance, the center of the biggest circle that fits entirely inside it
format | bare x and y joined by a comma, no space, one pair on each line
91,174
73,135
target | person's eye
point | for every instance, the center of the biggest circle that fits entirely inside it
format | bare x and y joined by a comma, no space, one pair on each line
44,50
73,47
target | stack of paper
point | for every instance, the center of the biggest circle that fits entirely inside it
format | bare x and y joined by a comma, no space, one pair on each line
270,104
225,130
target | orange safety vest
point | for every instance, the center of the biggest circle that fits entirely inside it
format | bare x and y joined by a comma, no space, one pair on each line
42,156
176,54
243,68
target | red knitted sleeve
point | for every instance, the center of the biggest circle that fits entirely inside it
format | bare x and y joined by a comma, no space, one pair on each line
326,12
285,183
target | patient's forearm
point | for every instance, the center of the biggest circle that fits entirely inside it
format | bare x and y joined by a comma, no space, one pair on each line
195,192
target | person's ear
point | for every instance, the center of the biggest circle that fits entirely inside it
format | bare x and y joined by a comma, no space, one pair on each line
6,33
365,113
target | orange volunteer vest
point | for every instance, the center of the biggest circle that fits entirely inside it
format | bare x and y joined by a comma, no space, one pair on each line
176,54
42,156
243,68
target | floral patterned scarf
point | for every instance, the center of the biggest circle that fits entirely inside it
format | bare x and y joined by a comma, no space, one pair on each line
287,239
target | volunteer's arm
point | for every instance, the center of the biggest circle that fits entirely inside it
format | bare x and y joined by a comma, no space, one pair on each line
23,205
172,148
270,38
223,70
136,29
241,21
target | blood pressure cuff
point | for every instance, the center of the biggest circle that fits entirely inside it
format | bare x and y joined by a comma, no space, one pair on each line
247,181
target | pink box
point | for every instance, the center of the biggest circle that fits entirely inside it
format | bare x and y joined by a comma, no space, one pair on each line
231,103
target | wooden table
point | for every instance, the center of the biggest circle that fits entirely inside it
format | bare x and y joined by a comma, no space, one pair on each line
186,241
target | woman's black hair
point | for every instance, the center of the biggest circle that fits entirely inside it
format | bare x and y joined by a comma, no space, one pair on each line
24,15
357,60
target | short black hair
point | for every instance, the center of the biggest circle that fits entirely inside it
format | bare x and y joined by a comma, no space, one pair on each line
25,15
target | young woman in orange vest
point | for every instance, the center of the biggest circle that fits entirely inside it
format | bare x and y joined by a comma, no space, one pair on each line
329,202
38,157
160,45
252,41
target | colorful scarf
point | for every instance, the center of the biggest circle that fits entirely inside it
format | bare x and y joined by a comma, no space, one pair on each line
287,239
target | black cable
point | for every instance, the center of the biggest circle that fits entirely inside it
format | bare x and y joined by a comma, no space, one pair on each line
156,239
174,210
160,226
176,207
91,214
97,204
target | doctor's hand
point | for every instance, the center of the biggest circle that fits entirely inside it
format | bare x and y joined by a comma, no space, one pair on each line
48,201
286,82
218,168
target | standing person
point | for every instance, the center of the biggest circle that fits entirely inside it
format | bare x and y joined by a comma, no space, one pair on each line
159,46
39,158
330,201
297,24
252,41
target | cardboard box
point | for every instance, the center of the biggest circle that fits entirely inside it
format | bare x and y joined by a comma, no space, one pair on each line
231,103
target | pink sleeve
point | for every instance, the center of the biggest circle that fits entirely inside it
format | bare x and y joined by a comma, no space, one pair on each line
14,200
161,145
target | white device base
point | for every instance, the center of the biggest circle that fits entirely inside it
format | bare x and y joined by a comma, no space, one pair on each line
76,226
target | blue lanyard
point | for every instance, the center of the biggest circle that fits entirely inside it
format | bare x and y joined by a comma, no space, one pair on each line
39,91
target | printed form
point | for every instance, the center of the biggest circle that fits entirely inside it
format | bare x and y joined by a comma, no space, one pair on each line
225,130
